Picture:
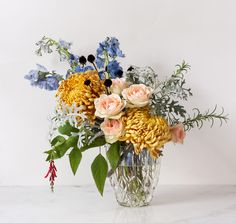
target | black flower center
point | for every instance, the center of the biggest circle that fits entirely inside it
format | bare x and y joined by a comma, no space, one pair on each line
82,60
108,82
91,58
87,82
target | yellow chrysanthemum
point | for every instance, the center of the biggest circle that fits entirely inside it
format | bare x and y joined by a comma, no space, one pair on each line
145,131
73,90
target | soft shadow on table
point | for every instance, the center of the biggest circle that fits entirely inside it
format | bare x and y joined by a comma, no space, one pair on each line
190,194
134,215
170,198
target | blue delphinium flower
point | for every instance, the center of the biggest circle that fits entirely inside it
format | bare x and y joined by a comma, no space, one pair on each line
101,75
43,79
101,48
73,58
88,68
113,67
107,53
51,84
114,49
64,44
100,62
80,69
111,46
33,75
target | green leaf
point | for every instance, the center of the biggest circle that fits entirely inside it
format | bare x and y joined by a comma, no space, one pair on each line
75,157
99,170
67,129
62,148
72,141
48,158
52,155
113,154
99,141
58,140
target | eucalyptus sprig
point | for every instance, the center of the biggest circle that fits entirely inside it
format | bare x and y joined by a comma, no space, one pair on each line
199,118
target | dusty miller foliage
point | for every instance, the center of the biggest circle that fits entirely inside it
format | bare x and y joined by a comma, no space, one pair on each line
70,114
167,95
142,75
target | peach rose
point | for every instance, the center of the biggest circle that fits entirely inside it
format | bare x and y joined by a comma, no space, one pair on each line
109,106
137,95
113,129
118,85
178,133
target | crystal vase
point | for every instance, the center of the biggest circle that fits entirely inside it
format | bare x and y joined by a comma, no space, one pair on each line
135,179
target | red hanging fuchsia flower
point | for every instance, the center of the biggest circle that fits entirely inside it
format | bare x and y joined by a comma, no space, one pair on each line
52,174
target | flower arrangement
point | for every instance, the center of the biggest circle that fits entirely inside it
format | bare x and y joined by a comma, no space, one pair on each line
99,105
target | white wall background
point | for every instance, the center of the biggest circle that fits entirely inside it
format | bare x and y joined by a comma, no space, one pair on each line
158,33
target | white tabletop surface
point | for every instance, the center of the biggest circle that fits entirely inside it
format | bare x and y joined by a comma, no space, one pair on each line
185,204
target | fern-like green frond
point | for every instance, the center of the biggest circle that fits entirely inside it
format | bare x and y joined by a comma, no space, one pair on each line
199,118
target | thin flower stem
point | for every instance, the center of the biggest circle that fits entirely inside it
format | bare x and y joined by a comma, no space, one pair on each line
95,66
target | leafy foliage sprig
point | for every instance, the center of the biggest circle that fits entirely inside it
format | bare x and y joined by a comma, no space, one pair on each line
175,85
45,46
198,118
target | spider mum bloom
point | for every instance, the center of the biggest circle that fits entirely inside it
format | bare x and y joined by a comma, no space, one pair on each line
145,131
74,91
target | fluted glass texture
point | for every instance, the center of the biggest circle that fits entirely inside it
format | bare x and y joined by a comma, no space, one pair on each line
135,179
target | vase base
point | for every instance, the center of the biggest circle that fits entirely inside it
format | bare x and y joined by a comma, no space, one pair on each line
133,206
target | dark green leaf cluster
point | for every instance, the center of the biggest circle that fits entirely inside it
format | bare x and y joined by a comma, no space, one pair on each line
68,142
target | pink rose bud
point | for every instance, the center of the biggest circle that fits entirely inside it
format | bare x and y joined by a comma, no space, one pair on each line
137,95
178,133
118,85
109,106
113,129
